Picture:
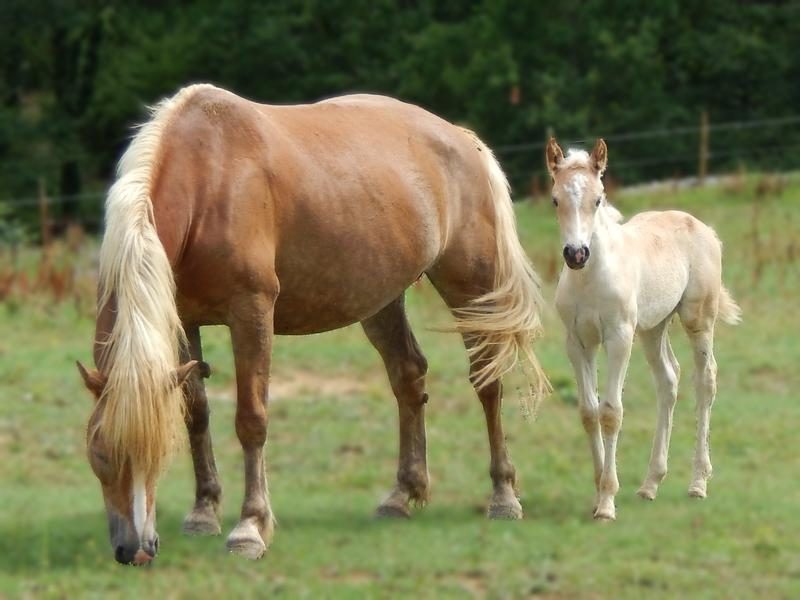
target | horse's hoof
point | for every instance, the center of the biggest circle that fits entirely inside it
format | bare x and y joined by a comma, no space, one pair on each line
252,549
201,523
392,511
505,511
646,493
245,540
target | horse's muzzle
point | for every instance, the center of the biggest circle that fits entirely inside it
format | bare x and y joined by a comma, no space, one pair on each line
136,554
576,258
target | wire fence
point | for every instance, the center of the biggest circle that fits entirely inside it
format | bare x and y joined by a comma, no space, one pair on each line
676,153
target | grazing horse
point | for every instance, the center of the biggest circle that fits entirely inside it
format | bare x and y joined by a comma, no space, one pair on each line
292,220
622,279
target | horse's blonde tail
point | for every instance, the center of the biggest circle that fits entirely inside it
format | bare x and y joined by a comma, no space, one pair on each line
729,311
142,405
505,321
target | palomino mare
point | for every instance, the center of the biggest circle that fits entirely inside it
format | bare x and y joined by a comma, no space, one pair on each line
622,279
292,220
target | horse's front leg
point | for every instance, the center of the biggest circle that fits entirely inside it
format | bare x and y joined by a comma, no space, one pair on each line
251,334
618,344
204,517
390,333
584,362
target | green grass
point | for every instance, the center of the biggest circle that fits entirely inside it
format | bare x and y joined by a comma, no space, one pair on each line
332,452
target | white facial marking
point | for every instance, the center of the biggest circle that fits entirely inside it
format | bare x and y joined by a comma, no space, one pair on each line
575,188
139,504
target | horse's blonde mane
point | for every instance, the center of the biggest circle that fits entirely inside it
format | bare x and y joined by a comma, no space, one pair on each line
141,403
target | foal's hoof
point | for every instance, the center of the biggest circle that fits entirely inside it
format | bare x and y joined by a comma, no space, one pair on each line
604,516
646,493
201,522
392,511
697,489
506,511
245,540
605,511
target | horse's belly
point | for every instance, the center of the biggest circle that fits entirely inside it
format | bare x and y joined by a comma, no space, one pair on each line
328,301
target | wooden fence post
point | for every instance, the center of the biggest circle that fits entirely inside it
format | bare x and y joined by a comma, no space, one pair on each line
44,214
702,161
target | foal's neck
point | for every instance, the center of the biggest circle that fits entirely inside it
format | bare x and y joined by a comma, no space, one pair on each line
604,245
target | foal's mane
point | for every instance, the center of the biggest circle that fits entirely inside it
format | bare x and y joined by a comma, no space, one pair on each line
142,408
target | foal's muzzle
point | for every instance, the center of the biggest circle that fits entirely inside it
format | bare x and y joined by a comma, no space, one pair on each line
576,258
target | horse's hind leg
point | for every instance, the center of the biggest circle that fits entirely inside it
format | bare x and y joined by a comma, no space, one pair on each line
458,284
700,329
204,517
666,372
390,333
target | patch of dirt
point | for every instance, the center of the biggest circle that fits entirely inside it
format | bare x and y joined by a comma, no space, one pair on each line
357,577
296,383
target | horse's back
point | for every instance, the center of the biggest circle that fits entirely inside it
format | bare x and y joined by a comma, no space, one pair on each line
343,203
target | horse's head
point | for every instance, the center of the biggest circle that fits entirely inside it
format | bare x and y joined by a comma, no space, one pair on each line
577,194
129,492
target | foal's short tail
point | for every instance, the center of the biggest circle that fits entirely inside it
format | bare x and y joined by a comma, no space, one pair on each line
506,320
729,311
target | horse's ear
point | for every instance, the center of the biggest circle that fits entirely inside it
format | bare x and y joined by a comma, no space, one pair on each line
599,156
554,156
180,374
94,380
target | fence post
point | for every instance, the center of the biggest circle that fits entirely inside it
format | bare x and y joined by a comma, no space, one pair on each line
44,214
702,161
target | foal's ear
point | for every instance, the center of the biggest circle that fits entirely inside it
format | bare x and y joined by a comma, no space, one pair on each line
554,156
599,158
180,374
94,380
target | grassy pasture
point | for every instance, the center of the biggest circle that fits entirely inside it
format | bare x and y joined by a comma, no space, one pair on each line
332,452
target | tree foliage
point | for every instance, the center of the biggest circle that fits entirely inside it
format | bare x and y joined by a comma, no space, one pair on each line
76,74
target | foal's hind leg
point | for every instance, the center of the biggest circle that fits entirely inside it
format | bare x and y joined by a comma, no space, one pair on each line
204,517
666,372
391,335
705,384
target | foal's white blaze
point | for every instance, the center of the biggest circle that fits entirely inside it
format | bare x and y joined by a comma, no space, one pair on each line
573,231
575,188
139,504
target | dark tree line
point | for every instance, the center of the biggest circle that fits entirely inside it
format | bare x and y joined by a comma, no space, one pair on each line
76,75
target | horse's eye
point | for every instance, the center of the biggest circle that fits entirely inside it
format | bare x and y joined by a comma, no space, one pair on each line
597,203
555,202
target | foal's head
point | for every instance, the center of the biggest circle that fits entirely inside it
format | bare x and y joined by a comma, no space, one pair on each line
129,490
577,195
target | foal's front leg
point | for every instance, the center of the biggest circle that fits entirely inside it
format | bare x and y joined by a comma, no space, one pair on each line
251,334
618,344
584,361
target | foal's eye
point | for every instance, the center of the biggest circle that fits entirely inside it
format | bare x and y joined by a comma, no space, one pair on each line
555,202
597,203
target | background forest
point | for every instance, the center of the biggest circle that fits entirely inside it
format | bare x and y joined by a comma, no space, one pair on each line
76,76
